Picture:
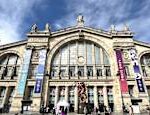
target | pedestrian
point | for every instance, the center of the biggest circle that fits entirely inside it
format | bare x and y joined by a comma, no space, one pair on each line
85,110
96,110
66,111
109,110
62,111
54,109
131,110
99,112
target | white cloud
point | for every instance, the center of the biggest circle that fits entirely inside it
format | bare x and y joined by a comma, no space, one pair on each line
12,14
103,13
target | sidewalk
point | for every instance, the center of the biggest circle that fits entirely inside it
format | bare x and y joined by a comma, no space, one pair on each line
69,114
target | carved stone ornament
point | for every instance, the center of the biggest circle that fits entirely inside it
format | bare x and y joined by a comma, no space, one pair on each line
47,28
80,20
81,60
34,28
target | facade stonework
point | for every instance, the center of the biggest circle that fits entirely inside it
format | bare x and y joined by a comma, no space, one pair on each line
60,60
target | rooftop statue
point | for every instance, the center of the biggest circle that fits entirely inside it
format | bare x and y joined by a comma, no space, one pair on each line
34,28
126,28
80,20
47,28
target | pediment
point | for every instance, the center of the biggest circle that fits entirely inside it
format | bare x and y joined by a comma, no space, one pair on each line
75,29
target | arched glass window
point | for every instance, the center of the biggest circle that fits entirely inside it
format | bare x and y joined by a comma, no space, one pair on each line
145,64
9,66
80,58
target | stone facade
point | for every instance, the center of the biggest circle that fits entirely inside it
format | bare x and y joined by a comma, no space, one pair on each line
60,77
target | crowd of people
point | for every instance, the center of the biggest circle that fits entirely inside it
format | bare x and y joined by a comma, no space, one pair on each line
60,110
103,109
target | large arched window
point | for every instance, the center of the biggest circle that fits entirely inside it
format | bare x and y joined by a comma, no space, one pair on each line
145,63
9,66
80,58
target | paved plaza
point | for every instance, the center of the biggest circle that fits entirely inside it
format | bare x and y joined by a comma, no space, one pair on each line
144,113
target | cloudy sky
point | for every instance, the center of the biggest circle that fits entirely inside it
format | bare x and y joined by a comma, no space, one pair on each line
17,16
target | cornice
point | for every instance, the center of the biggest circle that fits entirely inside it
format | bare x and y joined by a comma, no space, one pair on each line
78,29
13,44
136,42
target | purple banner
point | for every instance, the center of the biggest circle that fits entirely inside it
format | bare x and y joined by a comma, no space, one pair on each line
137,72
123,82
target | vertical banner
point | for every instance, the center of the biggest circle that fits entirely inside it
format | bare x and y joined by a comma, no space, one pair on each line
123,82
136,68
23,74
40,71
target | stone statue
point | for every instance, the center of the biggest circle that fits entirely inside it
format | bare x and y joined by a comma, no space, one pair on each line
47,28
126,28
113,28
80,20
34,28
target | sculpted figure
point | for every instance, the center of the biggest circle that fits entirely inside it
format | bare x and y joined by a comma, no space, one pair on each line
34,28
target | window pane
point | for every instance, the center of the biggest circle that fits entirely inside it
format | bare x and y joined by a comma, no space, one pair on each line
73,53
56,60
80,71
89,53
107,71
12,60
4,60
54,71
64,55
63,71
99,71
72,71
89,71
97,55
81,49
18,61
105,58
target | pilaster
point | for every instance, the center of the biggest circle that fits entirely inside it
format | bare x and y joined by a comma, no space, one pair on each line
95,97
105,96
66,94
76,99
56,94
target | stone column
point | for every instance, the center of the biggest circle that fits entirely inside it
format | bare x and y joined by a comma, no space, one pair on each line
66,93
76,99
105,96
56,94
93,60
46,91
95,97
102,61
5,95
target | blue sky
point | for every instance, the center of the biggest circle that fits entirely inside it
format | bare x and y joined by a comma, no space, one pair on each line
17,16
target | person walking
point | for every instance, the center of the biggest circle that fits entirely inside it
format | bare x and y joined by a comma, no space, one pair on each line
131,110
96,111
85,110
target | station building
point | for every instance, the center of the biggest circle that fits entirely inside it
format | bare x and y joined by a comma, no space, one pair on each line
46,68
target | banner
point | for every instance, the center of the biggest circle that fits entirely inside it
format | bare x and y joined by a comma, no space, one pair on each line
23,74
137,73
40,71
38,85
123,82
